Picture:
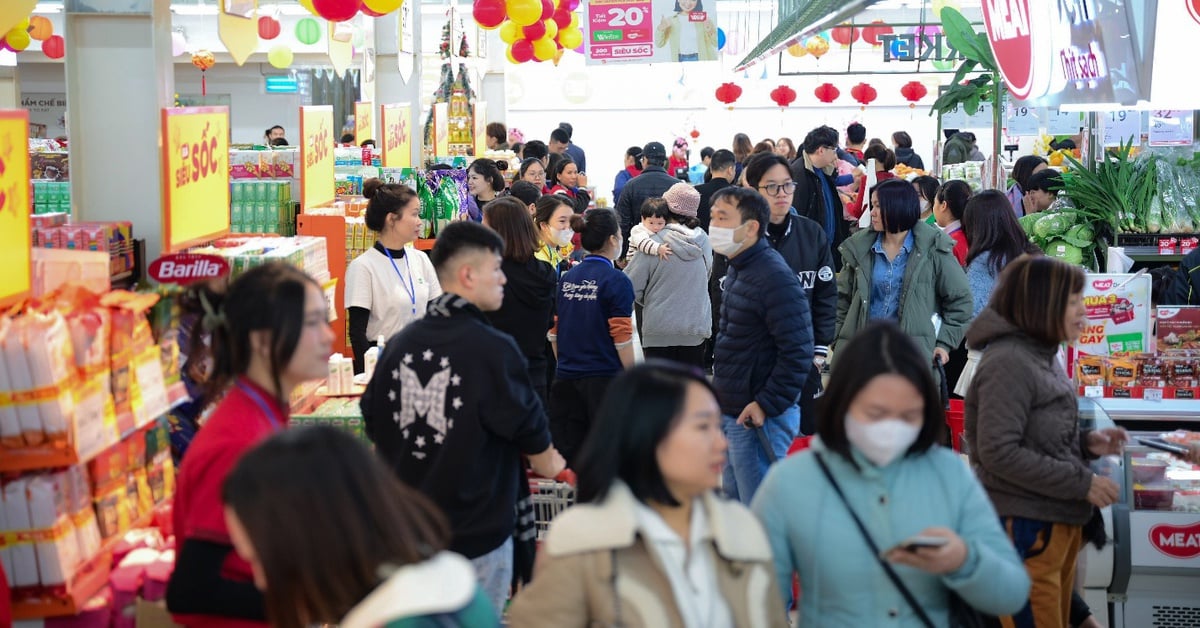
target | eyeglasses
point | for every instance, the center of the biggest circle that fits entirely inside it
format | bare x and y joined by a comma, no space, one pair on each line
536,175
775,188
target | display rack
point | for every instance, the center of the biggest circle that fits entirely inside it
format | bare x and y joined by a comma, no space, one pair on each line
333,229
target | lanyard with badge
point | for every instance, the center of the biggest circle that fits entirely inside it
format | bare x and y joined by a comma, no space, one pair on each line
409,288
267,409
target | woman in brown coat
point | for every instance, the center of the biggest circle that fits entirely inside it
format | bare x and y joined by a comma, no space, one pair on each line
651,544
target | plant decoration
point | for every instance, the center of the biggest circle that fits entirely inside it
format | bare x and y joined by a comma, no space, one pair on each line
988,86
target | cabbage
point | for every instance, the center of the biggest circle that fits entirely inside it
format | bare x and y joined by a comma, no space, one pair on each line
1064,251
1028,222
1080,235
1051,225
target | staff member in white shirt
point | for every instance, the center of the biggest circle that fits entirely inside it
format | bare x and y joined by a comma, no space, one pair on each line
388,286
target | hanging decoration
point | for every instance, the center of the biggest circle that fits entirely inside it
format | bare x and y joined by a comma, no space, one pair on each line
728,93
17,38
845,34
280,57
54,47
40,28
721,39
308,31
913,91
535,30
695,133
380,8
489,14
336,10
783,96
268,27
817,46
877,29
826,92
864,93
204,60
797,50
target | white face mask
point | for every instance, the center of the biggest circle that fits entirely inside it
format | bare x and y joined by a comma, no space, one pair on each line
722,240
924,206
881,441
563,237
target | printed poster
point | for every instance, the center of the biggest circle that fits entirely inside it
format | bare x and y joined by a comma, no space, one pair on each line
1118,315
651,31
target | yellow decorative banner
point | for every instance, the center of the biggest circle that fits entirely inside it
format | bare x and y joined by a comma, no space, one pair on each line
15,244
316,156
341,51
238,32
195,176
441,129
364,122
13,11
480,128
397,135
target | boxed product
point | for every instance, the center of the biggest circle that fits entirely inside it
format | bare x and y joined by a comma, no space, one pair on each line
40,362
21,551
1179,330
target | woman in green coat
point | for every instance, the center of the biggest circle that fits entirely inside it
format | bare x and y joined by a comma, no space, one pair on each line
903,270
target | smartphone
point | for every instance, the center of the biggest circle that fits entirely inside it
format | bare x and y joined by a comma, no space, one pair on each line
914,543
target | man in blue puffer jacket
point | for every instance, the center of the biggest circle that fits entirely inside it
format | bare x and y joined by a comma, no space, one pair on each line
764,346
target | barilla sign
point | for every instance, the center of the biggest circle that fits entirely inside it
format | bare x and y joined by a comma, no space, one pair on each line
186,268
1181,542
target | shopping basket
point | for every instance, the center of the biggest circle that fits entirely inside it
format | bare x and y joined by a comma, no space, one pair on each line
549,497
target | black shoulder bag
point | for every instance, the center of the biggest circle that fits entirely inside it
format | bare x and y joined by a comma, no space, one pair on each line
961,613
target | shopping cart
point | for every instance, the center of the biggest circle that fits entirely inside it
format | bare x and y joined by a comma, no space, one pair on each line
549,497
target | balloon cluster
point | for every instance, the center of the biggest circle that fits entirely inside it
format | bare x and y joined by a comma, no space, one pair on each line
17,38
535,30
342,10
35,28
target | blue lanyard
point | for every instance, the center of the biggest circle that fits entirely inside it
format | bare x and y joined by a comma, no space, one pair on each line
409,288
267,409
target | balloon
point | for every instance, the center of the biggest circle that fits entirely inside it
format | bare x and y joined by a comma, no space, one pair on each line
522,50
535,31
308,32
336,10
570,5
18,39
40,28
280,57
570,37
574,23
524,12
721,38
366,11
308,4
511,59
563,18
268,27
509,32
488,14
382,7
54,47
797,50
547,9
551,29
544,49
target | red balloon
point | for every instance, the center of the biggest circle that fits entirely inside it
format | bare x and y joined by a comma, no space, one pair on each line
562,17
367,11
522,50
547,9
535,31
488,13
268,27
54,47
336,10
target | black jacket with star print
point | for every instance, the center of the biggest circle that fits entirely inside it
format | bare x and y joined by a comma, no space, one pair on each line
451,409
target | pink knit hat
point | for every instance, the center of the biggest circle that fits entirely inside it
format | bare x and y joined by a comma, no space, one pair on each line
682,199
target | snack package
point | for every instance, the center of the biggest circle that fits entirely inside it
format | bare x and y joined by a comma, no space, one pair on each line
21,380
1152,372
52,363
24,573
1122,372
428,212
10,423
1090,370
1183,372
5,551
57,547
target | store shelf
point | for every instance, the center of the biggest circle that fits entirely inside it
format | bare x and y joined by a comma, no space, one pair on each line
1167,410
333,229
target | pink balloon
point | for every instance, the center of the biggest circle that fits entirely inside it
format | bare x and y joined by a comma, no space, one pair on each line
488,13
571,5
522,50
547,9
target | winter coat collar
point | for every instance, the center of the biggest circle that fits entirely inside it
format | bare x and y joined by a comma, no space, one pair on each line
808,165
449,304
925,238
442,584
990,327
745,258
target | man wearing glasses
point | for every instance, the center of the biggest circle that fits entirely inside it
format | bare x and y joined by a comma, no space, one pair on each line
816,197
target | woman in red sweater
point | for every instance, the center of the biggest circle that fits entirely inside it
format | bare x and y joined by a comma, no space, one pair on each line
269,333
885,160
948,207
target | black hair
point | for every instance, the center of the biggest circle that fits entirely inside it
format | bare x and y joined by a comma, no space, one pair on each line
721,160
899,206
706,152
881,154
518,149
639,410
552,168
955,194
1023,169
280,141
1048,180
348,138
566,126
561,164
535,149
902,139
990,227
699,6
636,153
366,143
750,204
760,163
490,171
655,207
459,237
949,133
525,191
497,131
856,133
268,133
545,207
560,135
818,137
742,146
595,227
526,163
509,218
927,186
383,199
880,348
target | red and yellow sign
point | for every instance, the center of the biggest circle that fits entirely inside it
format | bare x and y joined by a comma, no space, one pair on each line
397,135
316,156
480,128
364,122
441,129
195,175
15,243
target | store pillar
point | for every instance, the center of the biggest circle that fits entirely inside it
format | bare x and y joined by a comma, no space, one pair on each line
390,86
120,75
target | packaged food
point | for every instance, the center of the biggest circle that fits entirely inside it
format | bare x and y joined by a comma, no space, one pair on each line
1183,373
1122,372
1152,372
1178,330
1090,370
24,573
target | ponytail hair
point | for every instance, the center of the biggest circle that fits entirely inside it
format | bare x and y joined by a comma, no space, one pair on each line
595,227
383,199
488,169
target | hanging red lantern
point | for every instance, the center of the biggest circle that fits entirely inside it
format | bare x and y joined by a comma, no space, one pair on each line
728,93
268,27
695,133
913,91
844,35
783,95
864,94
54,47
877,29
826,93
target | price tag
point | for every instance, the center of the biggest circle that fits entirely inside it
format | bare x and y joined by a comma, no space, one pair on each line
1021,119
1121,126
1093,392
956,118
1170,128
1063,122
1187,245
1152,394
982,118
1166,246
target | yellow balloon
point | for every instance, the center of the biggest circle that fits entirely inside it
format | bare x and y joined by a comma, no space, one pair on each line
570,38
17,39
551,29
574,21
22,25
797,50
508,53
280,57
524,12
383,6
544,49
308,4
510,32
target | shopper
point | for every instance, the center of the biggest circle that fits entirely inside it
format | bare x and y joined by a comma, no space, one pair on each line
949,204
742,147
484,183
927,187
372,551
677,163
904,270
885,161
1185,282
903,144
722,167
558,141
764,348
270,333
650,544
536,149
570,182
688,32
1022,426
785,148
528,306
1041,191
856,138
388,286
655,213
653,181
1022,170
842,513
816,196
527,193
534,171
593,335
274,133
673,289
497,136
451,407
576,153
633,167
802,244
552,219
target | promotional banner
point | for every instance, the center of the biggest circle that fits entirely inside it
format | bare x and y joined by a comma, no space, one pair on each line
397,135
238,30
364,122
195,175
441,129
651,31
480,128
1118,315
316,156
14,206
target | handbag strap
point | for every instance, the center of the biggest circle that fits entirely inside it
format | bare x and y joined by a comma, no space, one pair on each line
887,568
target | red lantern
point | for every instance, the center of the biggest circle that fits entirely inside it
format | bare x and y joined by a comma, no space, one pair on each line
54,47
268,27
864,94
336,10
728,93
695,133
913,91
783,95
826,93
844,35
877,29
